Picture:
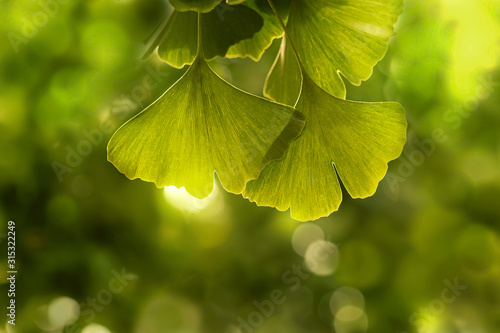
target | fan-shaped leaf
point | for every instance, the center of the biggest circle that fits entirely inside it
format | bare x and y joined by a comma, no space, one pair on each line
255,47
355,139
346,36
201,125
284,79
221,28
200,6
180,41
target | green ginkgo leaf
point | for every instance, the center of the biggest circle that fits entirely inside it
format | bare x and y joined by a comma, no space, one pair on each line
353,140
284,79
221,28
200,6
179,43
201,125
228,26
255,47
346,36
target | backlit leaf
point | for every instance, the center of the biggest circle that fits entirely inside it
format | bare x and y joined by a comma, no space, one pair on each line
226,26
221,28
201,6
284,79
346,36
353,140
179,45
201,125
254,47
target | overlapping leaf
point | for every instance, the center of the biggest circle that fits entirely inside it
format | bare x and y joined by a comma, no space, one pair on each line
346,36
179,43
221,28
255,47
201,6
350,139
284,79
201,125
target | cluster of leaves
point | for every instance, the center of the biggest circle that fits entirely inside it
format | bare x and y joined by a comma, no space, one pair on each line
287,151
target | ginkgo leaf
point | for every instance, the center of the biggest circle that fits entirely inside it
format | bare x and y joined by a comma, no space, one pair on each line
200,6
221,28
226,26
353,140
284,79
180,40
200,125
256,46
346,36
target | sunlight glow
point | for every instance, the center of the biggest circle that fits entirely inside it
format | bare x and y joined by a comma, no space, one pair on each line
63,310
350,319
476,44
95,328
182,200
346,296
429,324
322,257
304,235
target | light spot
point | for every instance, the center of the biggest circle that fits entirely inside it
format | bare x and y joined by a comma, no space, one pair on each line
62,311
304,235
350,319
346,296
349,313
95,328
322,257
182,200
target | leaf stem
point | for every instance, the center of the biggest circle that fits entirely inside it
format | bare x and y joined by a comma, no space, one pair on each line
157,35
200,45
270,2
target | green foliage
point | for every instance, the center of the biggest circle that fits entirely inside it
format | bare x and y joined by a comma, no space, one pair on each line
220,29
179,44
256,46
349,37
202,125
201,6
199,126
283,83
200,265
358,138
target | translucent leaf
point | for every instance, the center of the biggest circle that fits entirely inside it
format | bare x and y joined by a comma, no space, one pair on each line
256,46
201,6
180,42
284,79
221,28
350,139
201,125
346,36
228,25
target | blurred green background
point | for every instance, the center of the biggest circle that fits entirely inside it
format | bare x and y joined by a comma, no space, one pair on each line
98,253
